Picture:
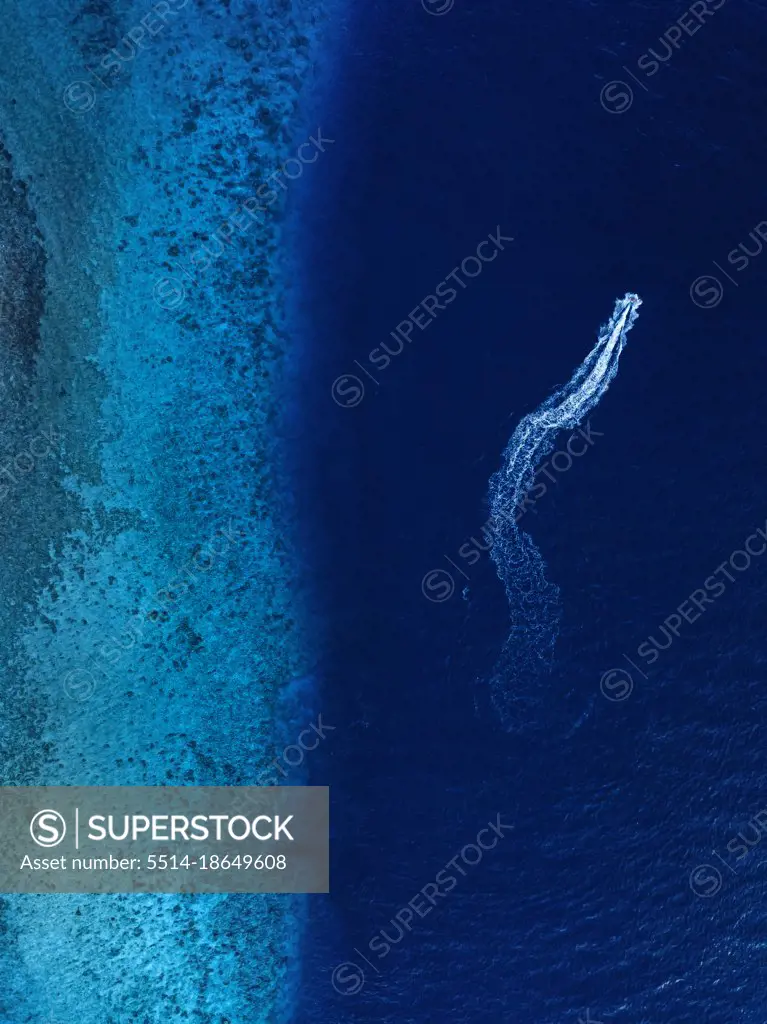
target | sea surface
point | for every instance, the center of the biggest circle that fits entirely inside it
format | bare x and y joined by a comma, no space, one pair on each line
246,485
152,618
623,892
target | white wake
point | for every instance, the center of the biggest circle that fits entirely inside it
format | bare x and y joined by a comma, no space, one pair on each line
534,601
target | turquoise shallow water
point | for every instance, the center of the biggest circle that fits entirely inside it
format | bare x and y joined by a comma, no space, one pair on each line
154,616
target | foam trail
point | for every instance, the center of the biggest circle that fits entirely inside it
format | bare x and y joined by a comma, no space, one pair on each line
533,600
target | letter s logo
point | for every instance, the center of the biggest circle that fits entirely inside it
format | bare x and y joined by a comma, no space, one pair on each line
48,828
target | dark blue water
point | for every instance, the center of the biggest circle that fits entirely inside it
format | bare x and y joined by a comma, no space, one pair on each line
448,127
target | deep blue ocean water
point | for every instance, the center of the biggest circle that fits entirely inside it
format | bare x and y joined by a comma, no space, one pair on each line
449,126
598,855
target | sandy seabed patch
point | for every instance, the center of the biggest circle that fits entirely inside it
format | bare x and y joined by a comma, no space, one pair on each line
152,615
